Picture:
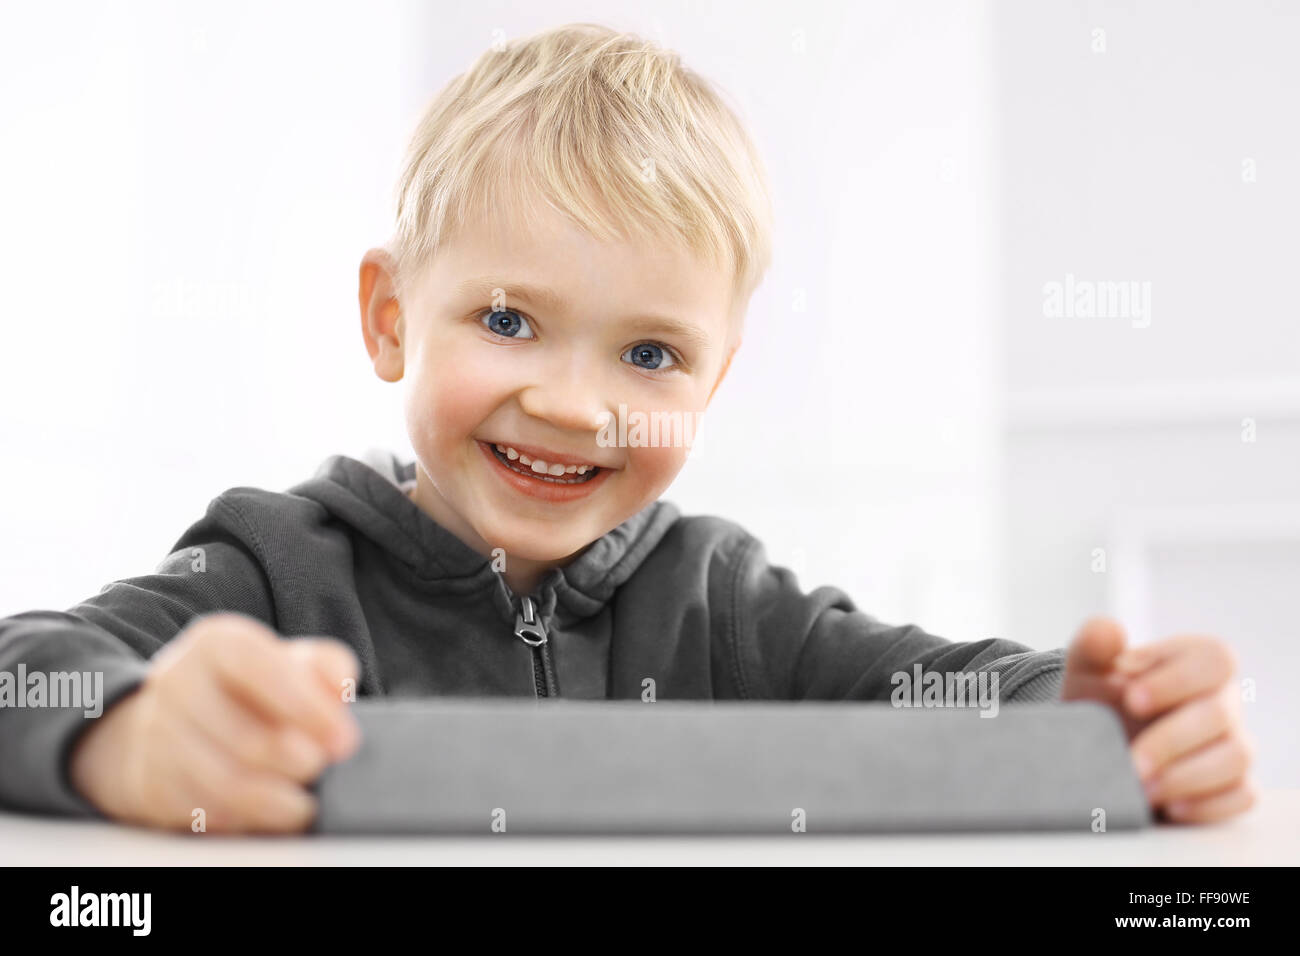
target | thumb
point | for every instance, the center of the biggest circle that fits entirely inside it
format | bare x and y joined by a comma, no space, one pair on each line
333,661
1095,647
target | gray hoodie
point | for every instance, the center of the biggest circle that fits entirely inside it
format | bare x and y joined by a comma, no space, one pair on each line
680,607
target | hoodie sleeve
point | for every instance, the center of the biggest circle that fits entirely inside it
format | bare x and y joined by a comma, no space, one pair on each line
794,646
110,637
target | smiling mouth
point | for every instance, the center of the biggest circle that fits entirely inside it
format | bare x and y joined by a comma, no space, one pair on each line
528,472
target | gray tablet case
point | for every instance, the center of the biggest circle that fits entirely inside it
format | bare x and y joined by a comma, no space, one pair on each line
484,765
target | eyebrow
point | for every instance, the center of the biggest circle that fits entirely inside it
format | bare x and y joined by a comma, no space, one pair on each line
546,298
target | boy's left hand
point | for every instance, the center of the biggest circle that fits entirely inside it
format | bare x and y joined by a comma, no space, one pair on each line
1181,710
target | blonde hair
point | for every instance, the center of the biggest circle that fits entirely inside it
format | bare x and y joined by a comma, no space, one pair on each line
607,128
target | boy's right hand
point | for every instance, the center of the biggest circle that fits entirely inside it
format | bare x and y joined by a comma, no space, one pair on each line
231,719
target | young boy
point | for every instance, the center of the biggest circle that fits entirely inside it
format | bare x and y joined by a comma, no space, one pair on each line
581,224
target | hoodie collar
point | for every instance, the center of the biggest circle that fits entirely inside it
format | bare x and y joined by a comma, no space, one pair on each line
369,496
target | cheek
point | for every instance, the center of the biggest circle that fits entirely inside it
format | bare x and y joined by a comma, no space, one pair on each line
655,468
444,405
680,419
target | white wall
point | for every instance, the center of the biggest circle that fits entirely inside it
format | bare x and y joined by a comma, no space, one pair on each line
187,191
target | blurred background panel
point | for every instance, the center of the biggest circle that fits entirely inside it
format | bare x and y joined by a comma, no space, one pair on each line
187,192
1152,458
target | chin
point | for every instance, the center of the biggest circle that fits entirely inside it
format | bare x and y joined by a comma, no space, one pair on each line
543,546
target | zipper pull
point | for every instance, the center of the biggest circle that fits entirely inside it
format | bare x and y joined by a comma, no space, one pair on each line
528,626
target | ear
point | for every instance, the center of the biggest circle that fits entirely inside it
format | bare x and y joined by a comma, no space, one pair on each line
382,322
726,365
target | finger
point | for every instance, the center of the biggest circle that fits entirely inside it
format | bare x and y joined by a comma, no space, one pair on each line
171,806
338,670
1096,645
1212,768
331,663
277,683
273,804
164,799
1183,731
235,800
1200,667
336,663
1135,660
244,736
183,782
157,794
1217,806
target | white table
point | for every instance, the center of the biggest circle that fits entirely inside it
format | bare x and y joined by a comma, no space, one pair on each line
1265,836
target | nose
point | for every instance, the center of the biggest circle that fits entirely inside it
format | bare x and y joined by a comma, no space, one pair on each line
568,395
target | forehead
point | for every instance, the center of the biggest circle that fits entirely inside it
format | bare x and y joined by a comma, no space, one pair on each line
564,267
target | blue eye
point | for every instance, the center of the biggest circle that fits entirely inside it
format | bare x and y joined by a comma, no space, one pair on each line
650,357
508,323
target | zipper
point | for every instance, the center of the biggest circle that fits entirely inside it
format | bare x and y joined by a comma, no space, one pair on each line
531,629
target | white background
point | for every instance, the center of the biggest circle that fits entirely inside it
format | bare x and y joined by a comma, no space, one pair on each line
186,192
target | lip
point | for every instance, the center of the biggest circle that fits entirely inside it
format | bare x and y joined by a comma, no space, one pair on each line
548,456
535,487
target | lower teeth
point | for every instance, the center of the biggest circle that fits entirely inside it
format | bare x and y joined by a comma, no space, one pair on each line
513,466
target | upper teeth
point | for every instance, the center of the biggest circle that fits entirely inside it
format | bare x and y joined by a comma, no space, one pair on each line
543,467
